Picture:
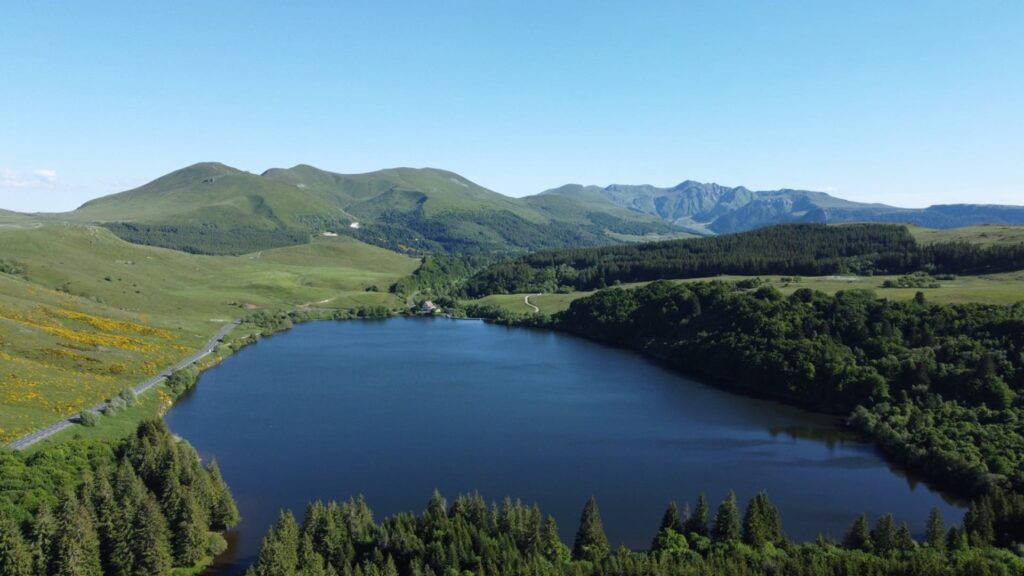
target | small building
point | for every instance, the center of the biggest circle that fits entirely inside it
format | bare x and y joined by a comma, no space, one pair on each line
428,307
331,234
354,225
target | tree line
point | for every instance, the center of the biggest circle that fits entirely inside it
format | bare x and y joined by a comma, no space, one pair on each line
86,508
471,537
792,249
940,388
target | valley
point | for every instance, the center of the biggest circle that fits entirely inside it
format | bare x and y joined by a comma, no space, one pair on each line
86,314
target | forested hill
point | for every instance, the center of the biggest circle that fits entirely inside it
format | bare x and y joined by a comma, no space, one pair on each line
798,249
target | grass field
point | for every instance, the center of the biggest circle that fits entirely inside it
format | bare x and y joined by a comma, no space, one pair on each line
987,235
1005,288
85,314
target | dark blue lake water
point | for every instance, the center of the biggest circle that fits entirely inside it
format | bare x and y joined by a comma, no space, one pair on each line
393,409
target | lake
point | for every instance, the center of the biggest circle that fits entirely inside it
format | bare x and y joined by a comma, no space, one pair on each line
393,409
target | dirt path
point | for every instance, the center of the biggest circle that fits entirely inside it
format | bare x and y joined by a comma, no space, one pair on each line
526,299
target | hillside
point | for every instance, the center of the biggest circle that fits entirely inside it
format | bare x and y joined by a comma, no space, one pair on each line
211,208
790,249
84,314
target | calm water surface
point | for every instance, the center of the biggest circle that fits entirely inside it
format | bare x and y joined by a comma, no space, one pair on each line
393,409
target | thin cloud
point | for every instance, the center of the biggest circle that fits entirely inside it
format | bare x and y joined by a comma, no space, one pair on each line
37,178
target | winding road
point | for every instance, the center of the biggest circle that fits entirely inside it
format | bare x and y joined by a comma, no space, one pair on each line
26,441
526,299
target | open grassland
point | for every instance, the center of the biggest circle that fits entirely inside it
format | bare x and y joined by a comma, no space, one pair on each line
1005,288
84,314
548,303
986,235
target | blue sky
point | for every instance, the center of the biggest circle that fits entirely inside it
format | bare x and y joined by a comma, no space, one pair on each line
909,103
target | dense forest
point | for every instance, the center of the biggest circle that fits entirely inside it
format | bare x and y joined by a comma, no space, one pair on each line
470,537
939,387
795,249
85,508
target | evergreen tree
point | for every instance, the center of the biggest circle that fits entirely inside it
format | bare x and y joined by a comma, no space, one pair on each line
107,517
727,520
187,523
43,530
979,523
15,555
591,542
76,548
935,534
671,519
904,539
311,563
883,537
697,523
148,541
761,523
119,555
223,512
551,546
858,537
279,554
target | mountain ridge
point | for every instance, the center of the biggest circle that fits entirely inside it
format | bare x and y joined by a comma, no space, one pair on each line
210,207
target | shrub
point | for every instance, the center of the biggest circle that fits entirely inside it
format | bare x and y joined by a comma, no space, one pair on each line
88,418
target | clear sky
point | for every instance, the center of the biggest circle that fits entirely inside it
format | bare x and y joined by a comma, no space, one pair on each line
909,103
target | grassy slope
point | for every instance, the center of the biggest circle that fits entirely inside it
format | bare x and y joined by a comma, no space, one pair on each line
986,235
210,192
146,308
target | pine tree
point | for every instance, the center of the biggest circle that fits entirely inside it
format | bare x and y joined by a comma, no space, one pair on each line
858,537
727,520
935,535
761,523
904,539
591,542
148,541
551,546
187,524
311,563
109,520
223,512
883,537
979,523
279,554
671,519
15,555
119,555
697,523
43,529
76,548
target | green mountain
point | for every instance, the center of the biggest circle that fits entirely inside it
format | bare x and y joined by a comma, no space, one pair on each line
215,209
211,208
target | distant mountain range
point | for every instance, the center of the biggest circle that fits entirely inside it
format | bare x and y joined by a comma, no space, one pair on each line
213,208
713,209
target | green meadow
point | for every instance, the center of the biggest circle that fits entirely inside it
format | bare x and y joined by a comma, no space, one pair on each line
1007,288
